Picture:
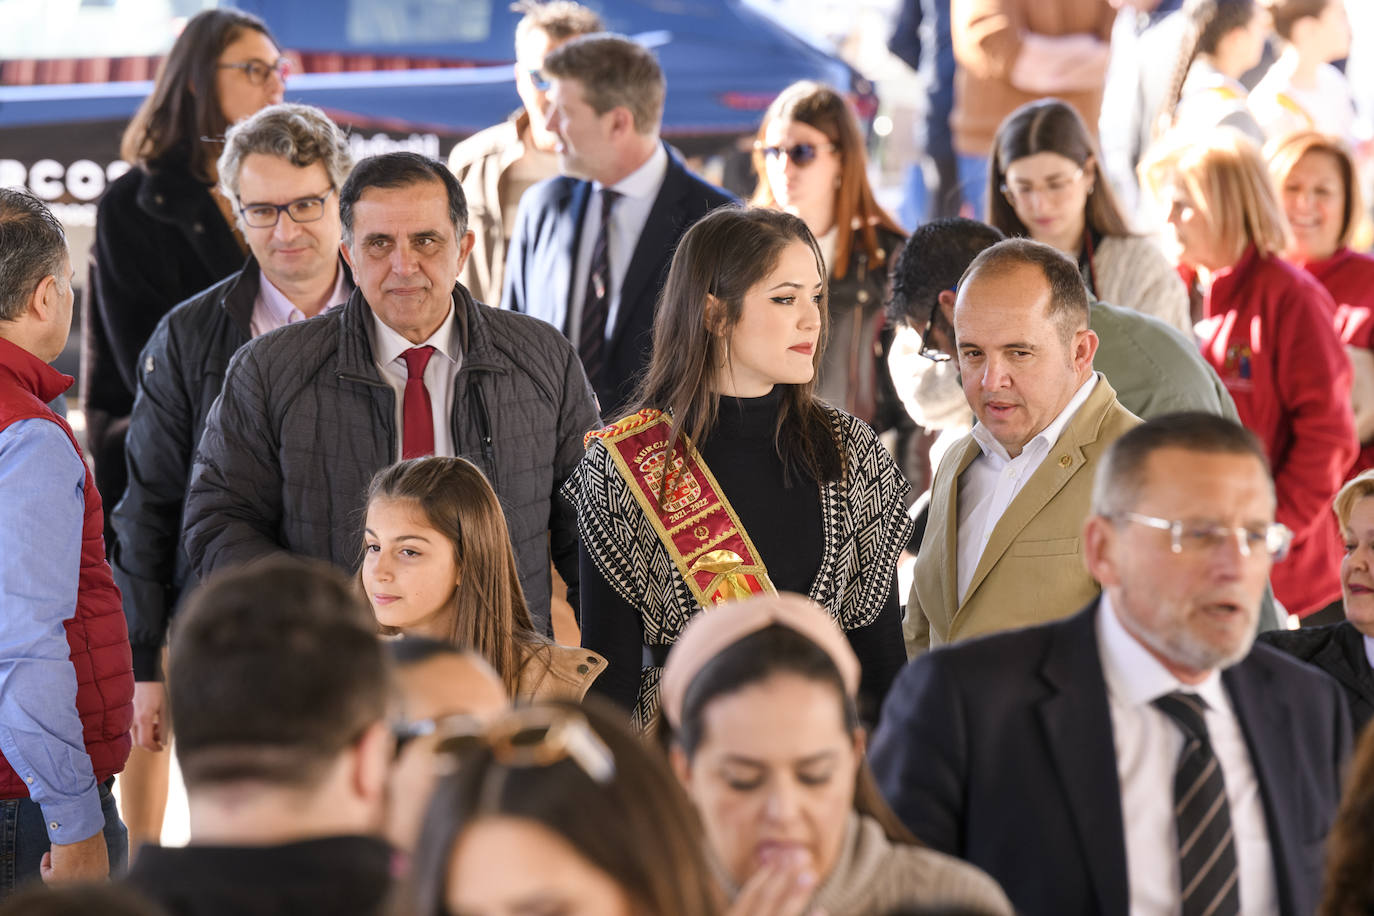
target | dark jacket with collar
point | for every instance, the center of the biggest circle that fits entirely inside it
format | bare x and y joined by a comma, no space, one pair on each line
542,258
159,238
341,876
305,420
1338,650
180,373
1000,751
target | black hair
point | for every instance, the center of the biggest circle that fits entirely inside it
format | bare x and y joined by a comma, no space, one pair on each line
932,261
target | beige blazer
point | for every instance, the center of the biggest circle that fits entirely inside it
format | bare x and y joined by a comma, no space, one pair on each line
1032,570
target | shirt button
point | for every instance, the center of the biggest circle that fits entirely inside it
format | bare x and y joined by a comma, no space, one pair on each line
54,825
29,780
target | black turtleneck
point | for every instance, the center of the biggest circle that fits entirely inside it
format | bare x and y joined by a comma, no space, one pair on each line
783,520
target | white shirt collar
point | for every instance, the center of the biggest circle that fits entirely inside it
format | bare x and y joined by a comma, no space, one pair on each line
645,180
1369,650
1134,676
389,345
1046,437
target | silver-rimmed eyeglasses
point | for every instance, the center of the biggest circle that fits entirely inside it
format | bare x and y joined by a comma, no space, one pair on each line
1202,536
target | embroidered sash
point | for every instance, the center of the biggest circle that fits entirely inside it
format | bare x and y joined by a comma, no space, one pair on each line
694,520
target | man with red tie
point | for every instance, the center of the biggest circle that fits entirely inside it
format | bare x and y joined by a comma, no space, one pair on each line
410,366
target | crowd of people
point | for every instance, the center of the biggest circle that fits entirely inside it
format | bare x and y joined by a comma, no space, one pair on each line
523,533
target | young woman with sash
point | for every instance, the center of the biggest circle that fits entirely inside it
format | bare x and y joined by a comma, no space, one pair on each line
768,488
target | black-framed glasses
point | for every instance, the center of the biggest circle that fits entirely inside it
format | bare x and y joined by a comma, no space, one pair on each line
798,153
928,348
258,71
1203,536
528,737
301,210
538,79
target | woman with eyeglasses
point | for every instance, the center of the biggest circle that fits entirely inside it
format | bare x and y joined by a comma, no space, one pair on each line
810,160
733,478
555,809
1267,330
1345,650
1319,187
163,233
438,562
763,733
1045,183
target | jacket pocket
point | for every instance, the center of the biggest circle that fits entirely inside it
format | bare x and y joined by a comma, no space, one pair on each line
1053,547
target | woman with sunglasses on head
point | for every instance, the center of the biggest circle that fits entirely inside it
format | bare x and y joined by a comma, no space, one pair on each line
1045,183
810,160
163,233
764,735
1319,187
438,562
1266,328
767,487
559,810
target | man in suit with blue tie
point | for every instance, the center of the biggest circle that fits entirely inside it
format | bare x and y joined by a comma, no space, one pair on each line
1139,757
591,247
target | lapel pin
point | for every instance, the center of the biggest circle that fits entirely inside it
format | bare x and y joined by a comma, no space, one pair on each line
1065,461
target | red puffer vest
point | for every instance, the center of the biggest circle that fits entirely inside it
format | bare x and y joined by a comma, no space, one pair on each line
97,634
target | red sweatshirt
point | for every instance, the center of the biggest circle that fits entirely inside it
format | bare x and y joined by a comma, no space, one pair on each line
1268,330
1349,278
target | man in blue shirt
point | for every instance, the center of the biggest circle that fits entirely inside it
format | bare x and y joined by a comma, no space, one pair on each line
66,678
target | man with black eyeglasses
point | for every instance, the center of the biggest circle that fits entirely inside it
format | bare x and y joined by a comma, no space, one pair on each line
281,169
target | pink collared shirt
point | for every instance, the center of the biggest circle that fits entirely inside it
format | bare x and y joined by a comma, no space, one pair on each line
272,310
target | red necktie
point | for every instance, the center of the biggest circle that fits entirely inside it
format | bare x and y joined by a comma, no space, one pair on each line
417,417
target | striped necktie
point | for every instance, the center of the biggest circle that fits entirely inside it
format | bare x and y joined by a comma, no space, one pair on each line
596,305
1209,881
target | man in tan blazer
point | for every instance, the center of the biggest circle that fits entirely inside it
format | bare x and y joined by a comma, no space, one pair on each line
1007,506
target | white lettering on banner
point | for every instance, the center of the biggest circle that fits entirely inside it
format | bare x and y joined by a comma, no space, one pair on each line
362,147
49,179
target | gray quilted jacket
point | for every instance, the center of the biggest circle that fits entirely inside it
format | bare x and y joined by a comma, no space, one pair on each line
305,419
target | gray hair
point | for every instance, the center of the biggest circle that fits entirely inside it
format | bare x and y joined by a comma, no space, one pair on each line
614,71
32,246
300,134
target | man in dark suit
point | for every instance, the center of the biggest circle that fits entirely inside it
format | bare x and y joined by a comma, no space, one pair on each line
591,248
1140,756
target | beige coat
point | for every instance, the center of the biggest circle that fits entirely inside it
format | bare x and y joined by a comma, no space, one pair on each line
1032,568
564,673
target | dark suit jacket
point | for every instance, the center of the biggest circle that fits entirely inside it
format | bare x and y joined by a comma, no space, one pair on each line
999,750
541,261
1338,650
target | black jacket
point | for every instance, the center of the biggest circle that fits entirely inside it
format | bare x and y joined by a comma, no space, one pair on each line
159,239
342,876
305,420
180,373
541,264
1338,650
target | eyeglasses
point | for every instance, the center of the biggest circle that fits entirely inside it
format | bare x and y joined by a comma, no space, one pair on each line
529,737
1055,189
799,154
258,71
538,79
303,210
1201,537
928,348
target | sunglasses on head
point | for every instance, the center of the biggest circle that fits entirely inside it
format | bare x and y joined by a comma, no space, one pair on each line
798,154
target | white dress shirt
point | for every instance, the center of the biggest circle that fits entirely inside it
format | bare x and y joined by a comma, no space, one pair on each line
272,310
440,371
994,478
1148,743
1369,650
638,191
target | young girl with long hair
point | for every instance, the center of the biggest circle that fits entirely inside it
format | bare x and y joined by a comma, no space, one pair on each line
438,562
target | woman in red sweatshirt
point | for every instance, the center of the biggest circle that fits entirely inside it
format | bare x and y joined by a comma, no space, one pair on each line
1267,329
1319,188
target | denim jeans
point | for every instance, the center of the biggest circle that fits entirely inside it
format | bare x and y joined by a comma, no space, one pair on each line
24,839
973,182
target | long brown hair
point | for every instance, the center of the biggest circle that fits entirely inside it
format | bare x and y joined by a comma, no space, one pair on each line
488,610
638,827
1207,22
821,107
1050,126
1349,880
723,256
181,120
